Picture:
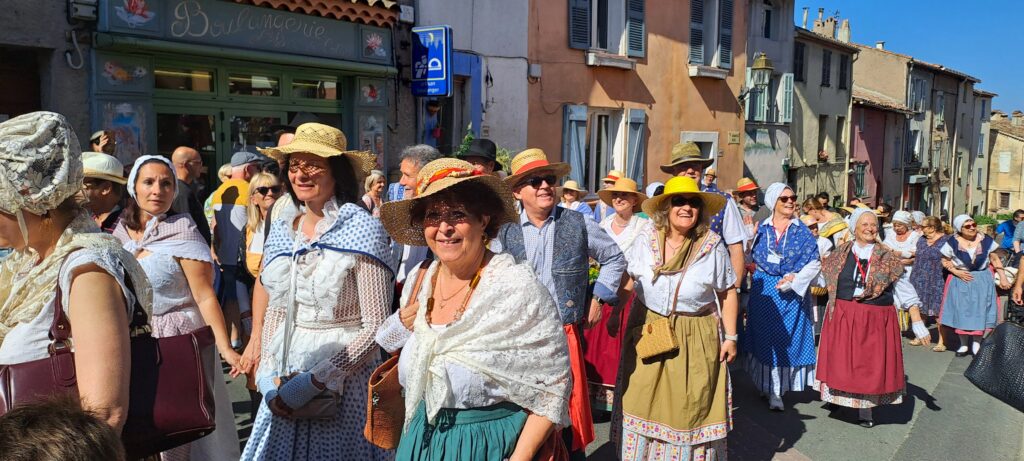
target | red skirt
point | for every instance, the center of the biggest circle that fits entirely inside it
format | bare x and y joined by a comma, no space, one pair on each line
579,401
603,348
860,350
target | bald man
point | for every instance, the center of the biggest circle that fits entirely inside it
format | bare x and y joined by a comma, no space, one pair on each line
187,167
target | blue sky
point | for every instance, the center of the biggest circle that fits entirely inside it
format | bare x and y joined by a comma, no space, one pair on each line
979,38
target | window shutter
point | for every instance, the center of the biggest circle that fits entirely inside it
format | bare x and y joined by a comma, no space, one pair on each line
1004,162
579,24
762,102
636,30
826,68
697,32
798,61
786,99
751,95
574,140
635,150
725,34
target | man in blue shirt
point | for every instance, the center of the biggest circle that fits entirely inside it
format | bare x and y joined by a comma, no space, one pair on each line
1008,229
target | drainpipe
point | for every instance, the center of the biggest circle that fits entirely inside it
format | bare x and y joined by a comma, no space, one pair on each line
955,162
906,139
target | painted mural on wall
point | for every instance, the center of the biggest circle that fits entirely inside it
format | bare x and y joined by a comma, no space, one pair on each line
127,120
118,74
134,13
764,151
371,92
371,136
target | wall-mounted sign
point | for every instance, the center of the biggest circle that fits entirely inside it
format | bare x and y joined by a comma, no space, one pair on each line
220,23
432,61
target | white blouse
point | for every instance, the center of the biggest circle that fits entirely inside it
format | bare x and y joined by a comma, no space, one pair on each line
978,251
702,280
629,235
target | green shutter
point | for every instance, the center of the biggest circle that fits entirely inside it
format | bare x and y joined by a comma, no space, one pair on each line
725,34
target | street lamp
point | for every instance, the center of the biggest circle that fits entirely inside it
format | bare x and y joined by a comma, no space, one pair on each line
761,71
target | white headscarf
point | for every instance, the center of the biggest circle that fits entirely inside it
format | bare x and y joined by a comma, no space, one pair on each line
771,195
855,216
903,217
959,221
138,164
652,187
918,217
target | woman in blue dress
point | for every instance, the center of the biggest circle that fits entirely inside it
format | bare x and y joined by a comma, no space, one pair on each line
779,334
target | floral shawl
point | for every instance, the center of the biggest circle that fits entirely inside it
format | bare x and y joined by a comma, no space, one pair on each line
885,269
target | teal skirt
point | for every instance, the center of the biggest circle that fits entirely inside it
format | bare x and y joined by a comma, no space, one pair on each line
480,434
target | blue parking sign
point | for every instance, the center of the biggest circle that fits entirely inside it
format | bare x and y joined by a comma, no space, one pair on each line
432,61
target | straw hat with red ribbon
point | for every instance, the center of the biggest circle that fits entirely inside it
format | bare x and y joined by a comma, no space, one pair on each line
435,177
746,185
534,162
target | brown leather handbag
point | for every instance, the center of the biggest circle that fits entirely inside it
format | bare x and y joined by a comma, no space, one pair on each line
171,393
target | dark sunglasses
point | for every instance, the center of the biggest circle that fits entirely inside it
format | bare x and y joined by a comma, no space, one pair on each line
787,198
969,226
693,202
536,181
267,189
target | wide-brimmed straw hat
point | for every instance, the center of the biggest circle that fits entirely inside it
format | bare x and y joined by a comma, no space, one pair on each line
613,176
622,185
103,166
686,186
686,152
323,141
435,177
573,186
534,162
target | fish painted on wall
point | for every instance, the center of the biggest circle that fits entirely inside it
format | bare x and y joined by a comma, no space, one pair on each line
118,75
134,13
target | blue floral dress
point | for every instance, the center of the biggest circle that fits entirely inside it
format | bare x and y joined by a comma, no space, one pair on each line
927,276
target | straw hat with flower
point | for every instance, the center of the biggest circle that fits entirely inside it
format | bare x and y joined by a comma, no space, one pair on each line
685,186
435,177
534,162
324,141
622,185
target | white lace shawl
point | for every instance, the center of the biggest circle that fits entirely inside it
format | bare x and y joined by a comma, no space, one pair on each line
510,334
628,236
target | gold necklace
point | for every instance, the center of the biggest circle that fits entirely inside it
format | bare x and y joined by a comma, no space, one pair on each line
465,300
446,299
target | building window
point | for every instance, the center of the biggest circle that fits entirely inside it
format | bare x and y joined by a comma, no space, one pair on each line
766,23
840,130
254,85
1004,200
799,59
711,23
981,145
592,140
940,109
858,179
984,109
914,146
822,132
183,79
615,26
918,95
1004,162
826,68
315,88
979,179
844,71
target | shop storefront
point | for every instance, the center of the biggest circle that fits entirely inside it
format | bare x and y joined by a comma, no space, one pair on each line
215,75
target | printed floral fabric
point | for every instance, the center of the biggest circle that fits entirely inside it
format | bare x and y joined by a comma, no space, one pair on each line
885,269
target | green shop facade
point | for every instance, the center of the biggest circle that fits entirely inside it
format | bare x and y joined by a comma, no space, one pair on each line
215,76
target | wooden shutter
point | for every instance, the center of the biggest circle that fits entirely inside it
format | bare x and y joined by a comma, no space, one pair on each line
574,141
826,68
725,34
798,61
761,109
636,30
844,69
697,32
785,99
635,150
579,24
748,102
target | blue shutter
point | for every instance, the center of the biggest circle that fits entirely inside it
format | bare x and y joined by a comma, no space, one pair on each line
725,34
697,32
636,31
579,24
786,89
635,151
574,141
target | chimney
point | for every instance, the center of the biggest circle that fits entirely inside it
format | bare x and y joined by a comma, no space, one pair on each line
806,9
998,115
829,29
880,45
820,23
844,31
1018,118
821,14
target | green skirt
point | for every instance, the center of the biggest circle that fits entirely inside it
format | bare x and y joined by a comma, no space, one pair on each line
479,434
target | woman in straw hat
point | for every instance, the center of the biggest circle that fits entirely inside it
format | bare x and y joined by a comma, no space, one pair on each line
325,289
604,340
860,360
472,328
572,198
779,335
59,250
676,405
178,262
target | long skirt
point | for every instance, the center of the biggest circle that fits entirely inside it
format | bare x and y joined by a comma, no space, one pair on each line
222,443
860,360
779,337
970,307
603,349
485,434
677,406
579,402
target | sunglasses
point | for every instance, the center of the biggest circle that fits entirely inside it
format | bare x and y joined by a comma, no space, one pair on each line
693,202
969,226
787,198
307,168
452,216
267,189
536,181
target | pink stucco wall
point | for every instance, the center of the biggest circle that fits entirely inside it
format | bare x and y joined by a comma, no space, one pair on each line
868,127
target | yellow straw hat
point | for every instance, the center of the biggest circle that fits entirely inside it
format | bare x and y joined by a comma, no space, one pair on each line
686,152
685,186
435,177
622,185
323,141
573,186
534,162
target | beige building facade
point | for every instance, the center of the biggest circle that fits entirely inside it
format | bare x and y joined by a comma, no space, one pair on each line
1006,163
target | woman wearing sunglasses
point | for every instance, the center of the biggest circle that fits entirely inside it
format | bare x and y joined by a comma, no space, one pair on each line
779,335
970,306
264,189
677,402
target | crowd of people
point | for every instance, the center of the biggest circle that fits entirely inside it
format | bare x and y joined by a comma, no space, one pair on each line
517,304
